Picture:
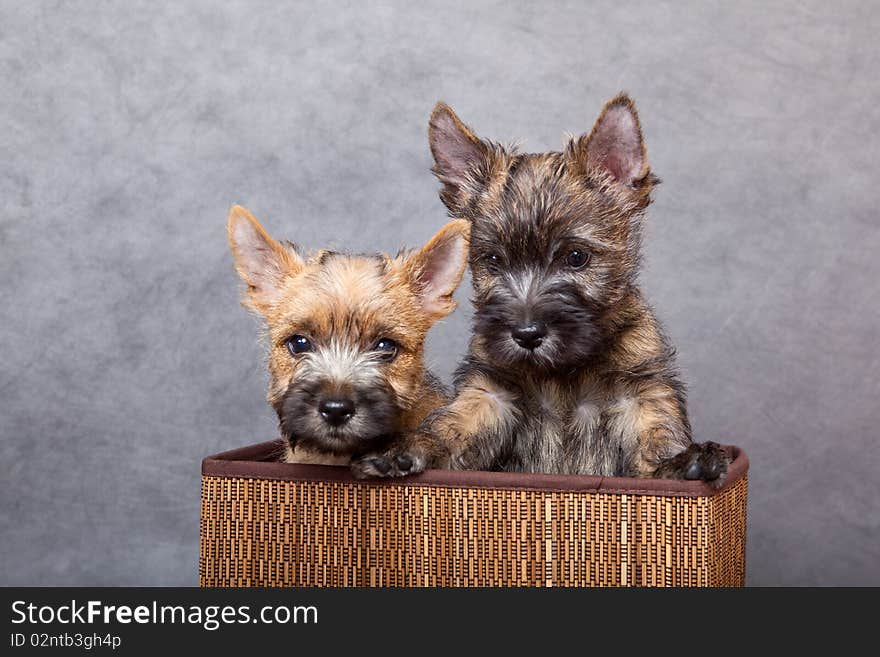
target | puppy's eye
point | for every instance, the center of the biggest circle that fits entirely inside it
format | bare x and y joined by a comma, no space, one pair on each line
492,261
387,348
577,259
299,344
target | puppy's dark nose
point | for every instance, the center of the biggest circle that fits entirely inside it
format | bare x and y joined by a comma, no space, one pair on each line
529,336
336,410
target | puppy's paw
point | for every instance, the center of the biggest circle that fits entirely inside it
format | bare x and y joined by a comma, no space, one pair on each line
700,461
395,462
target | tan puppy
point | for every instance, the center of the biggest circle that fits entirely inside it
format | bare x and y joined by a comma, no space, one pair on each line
346,336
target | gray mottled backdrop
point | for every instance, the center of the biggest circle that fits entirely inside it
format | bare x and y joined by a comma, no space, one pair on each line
127,129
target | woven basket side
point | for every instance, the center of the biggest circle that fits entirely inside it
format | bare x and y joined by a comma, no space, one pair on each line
258,532
726,528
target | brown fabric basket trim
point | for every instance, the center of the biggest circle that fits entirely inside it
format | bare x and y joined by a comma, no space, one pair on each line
258,462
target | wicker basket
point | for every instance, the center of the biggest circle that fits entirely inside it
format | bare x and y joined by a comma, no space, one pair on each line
266,523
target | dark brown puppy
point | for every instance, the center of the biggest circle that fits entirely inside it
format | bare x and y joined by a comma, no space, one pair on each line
346,336
568,370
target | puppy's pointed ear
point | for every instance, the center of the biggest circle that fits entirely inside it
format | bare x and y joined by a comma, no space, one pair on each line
461,159
262,263
615,146
436,269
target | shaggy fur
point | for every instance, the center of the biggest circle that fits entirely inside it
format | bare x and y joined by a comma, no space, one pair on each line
568,370
346,336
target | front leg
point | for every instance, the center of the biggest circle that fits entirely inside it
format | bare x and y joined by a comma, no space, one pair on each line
660,456
704,461
650,423
410,454
469,433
